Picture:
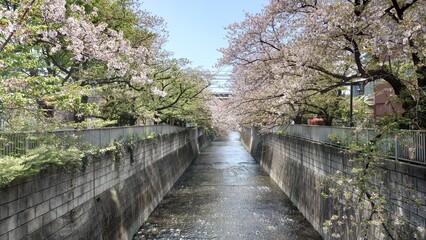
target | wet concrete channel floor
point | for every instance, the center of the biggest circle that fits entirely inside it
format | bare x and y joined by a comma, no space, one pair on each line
224,194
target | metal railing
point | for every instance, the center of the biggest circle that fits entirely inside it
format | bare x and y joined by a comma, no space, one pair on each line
17,143
20,143
407,145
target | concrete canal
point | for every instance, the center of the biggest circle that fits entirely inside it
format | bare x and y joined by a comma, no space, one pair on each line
225,195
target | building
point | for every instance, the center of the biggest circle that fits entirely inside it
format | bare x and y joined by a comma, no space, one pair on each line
220,86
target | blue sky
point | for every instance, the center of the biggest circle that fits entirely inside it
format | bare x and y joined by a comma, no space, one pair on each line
196,27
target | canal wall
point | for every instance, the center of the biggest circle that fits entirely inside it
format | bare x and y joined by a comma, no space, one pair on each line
299,167
108,199
252,141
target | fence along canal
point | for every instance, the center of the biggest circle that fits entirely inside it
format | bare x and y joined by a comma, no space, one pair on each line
19,143
405,145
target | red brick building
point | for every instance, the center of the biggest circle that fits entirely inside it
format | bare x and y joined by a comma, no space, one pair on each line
384,103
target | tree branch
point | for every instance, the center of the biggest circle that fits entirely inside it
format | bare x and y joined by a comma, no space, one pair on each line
182,91
21,19
357,54
269,44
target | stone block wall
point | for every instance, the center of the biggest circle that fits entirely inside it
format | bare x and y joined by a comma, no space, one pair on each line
109,199
299,166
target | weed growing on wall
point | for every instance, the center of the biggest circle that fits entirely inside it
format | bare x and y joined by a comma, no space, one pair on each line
67,152
131,143
364,199
35,160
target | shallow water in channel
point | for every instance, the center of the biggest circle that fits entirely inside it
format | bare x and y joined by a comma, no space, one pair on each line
224,194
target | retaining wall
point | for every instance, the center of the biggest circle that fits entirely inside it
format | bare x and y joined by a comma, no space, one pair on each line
299,167
107,200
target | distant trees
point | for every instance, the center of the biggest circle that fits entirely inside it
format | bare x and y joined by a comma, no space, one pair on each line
77,63
223,115
294,52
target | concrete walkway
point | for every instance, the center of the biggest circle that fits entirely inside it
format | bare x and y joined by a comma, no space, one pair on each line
225,195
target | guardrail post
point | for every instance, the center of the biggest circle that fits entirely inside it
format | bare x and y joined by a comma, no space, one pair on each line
356,137
396,147
368,136
26,145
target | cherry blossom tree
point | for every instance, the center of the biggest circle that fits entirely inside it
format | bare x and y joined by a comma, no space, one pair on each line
178,93
297,49
295,56
223,116
47,49
84,64
88,58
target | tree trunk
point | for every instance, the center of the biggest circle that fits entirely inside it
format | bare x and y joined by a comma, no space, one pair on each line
47,109
298,119
126,119
328,120
78,116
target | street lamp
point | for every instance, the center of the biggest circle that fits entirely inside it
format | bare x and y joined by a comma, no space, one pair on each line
360,91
